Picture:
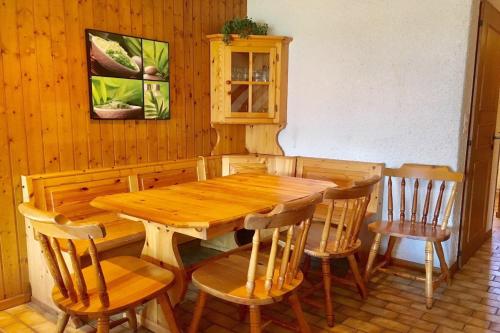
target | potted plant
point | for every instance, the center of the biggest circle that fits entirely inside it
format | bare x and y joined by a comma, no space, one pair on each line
243,27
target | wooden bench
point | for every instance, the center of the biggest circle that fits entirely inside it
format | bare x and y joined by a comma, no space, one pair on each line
70,193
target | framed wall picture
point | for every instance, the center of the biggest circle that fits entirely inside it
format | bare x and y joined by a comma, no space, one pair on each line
128,76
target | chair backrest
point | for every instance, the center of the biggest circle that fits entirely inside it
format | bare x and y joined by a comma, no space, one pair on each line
294,217
353,202
418,173
51,226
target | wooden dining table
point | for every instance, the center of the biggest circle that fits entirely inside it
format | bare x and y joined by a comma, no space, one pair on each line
203,209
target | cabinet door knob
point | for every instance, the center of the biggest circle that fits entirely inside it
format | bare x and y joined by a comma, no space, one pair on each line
228,82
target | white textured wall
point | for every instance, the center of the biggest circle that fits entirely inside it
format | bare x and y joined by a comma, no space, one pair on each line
377,80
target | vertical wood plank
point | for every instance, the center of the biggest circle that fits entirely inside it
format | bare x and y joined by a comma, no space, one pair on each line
60,74
86,14
197,79
77,82
105,126
29,75
46,86
179,78
189,78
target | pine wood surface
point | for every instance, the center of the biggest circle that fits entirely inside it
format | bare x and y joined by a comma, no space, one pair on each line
210,203
44,114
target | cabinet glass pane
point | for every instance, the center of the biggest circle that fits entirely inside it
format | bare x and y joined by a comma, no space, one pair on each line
260,67
239,97
260,98
240,62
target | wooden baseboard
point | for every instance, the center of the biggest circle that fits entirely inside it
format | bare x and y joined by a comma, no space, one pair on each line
14,301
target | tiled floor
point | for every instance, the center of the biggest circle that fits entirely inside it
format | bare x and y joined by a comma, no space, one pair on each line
470,304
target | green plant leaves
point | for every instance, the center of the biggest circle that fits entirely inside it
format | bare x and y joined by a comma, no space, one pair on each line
107,89
156,54
244,27
156,100
133,45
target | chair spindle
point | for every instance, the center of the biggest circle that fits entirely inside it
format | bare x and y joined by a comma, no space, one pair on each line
403,201
449,206
389,200
326,227
438,204
68,282
415,202
52,264
348,230
340,226
80,281
250,286
285,257
268,284
427,202
101,283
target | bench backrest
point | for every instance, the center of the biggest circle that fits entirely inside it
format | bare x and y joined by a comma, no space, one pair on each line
344,174
71,192
270,164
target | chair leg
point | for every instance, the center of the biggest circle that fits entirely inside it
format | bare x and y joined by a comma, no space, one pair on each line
372,256
132,319
103,324
388,251
327,285
428,273
168,312
255,324
297,309
442,262
198,311
353,264
62,321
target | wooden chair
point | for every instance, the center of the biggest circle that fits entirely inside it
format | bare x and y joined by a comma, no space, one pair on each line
338,238
408,226
247,279
105,288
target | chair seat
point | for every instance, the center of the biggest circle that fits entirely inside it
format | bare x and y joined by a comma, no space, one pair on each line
226,279
314,239
130,281
119,232
407,230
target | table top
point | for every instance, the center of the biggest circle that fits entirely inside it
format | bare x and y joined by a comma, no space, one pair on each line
211,202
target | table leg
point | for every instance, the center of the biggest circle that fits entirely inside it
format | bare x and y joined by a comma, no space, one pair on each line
161,249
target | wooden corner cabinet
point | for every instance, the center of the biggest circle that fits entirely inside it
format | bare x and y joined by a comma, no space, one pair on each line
248,91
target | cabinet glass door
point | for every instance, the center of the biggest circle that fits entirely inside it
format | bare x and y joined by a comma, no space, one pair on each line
251,87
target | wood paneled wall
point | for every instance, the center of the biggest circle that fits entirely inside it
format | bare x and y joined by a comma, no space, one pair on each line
44,111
